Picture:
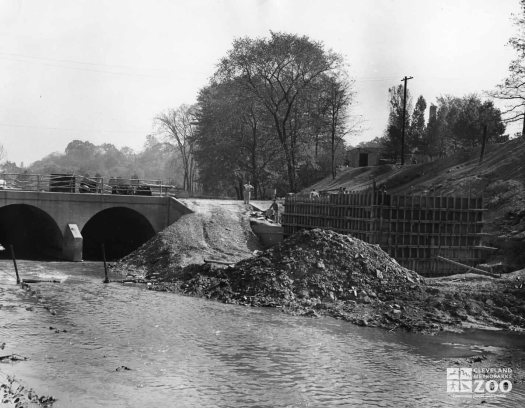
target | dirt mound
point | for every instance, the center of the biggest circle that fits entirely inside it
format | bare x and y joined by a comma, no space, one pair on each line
218,230
321,264
319,272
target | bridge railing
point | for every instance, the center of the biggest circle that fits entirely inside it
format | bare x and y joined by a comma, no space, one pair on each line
71,183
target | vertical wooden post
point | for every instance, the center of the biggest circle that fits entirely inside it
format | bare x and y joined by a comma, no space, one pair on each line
106,279
14,263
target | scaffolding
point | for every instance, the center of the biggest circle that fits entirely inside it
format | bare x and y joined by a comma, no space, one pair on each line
413,229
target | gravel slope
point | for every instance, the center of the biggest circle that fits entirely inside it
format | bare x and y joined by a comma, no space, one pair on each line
217,230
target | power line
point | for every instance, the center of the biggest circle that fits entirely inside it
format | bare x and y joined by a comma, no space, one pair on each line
50,64
12,54
91,66
372,79
18,125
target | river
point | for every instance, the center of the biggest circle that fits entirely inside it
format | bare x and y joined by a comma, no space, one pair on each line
190,352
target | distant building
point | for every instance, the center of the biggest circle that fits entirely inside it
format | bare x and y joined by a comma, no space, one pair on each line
364,156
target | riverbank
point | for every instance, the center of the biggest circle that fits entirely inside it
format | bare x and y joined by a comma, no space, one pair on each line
14,394
207,345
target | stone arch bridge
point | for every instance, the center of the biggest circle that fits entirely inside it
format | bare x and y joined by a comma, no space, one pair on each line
73,226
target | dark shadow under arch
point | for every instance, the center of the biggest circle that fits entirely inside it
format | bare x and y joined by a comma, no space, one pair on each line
120,229
33,233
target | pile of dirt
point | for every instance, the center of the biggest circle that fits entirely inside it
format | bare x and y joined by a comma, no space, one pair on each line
319,272
216,230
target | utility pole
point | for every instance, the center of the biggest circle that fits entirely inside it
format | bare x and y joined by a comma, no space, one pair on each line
405,79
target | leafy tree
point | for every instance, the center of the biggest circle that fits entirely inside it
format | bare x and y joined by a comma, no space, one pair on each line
417,129
155,161
282,73
393,135
430,144
460,123
377,142
234,143
10,167
217,151
158,161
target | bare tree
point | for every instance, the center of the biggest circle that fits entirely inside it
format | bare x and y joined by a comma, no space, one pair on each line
338,97
178,128
512,90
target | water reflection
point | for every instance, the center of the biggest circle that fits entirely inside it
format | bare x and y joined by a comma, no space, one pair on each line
191,352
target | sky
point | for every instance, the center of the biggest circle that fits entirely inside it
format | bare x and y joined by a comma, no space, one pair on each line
101,70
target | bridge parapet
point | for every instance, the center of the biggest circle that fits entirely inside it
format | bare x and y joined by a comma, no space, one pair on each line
74,183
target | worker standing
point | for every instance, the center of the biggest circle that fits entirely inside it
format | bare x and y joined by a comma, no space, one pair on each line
248,188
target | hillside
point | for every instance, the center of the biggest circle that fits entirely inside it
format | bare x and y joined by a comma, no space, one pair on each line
500,178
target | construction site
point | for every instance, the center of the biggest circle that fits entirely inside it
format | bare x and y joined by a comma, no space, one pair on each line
440,247
433,249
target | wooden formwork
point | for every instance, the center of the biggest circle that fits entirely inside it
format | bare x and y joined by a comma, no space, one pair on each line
412,229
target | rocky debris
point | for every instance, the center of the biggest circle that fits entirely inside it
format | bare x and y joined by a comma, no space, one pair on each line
57,330
50,310
12,358
314,273
14,394
123,368
319,272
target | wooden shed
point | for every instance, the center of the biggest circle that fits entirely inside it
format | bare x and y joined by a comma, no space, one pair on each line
364,156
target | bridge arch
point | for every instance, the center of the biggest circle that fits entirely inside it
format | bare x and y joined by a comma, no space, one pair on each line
33,233
120,229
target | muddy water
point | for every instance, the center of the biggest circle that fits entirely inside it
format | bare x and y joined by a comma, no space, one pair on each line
188,352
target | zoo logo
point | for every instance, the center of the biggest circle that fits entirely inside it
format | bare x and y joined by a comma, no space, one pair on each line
460,380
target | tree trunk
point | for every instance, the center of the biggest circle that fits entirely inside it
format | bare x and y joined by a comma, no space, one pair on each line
333,151
240,190
291,168
523,128
288,155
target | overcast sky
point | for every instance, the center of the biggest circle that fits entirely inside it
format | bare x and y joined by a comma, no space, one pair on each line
101,70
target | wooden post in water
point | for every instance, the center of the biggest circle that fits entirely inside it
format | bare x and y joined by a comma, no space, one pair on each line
14,263
106,279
